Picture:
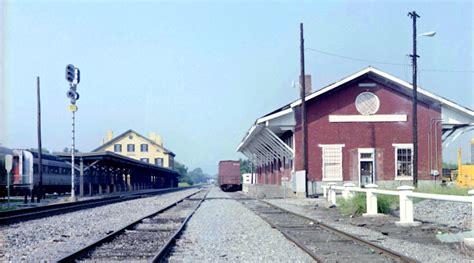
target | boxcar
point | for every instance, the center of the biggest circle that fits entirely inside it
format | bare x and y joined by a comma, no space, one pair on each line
229,175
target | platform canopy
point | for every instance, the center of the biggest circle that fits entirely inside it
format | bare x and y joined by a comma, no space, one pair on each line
262,145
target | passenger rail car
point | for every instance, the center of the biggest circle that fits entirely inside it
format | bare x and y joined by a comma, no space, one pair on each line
24,177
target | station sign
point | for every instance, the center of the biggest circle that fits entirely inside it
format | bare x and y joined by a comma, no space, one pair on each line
8,162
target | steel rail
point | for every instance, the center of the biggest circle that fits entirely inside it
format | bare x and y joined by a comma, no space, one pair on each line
388,252
19,215
161,255
83,251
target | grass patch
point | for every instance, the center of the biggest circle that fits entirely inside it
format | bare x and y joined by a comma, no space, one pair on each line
442,190
357,204
183,184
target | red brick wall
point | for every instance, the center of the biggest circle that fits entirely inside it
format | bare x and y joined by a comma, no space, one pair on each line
380,136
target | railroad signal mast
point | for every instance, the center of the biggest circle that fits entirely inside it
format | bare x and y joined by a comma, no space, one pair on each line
73,76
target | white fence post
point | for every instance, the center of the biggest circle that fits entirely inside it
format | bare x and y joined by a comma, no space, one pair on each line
406,207
469,241
371,199
346,193
331,194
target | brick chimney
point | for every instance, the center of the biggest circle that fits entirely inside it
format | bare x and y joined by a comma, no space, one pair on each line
109,135
308,84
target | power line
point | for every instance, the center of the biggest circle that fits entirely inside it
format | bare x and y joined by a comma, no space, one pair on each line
385,63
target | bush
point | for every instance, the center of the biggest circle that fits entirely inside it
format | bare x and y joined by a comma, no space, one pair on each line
352,206
357,204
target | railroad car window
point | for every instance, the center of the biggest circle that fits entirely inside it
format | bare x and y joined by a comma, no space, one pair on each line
130,147
144,147
35,168
45,169
117,148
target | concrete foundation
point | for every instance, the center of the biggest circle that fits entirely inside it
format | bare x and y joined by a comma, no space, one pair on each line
269,191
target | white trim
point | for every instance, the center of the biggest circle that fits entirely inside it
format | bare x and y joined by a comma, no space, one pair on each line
403,145
274,115
369,118
392,78
323,146
331,145
403,178
397,146
359,107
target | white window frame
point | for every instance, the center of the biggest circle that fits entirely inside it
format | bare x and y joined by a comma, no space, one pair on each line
334,179
359,159
402,146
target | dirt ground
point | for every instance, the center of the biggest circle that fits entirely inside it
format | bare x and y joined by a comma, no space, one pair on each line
385,224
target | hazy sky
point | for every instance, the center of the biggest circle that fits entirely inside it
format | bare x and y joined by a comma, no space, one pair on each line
199,74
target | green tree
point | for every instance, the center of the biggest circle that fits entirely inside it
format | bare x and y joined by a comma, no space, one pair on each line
245,166
43,150
68,150
182,170
198,176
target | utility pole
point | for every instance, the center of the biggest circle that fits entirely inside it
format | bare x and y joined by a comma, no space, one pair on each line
40,147
303,112
413,15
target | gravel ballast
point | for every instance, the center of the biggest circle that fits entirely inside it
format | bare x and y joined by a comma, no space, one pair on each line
448,213
222,229
417,251
49,239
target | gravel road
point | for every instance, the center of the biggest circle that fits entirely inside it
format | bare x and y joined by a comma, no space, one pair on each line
48,239
224,230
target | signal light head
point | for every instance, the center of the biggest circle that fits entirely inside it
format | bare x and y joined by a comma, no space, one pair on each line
70,73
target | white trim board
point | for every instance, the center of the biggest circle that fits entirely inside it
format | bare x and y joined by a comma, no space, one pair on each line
369,118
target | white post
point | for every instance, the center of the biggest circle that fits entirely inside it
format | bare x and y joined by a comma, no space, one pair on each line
331,195
469,241
406,207
346,193
73,193
371,200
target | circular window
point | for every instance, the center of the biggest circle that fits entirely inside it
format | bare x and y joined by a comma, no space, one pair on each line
130,137
367,103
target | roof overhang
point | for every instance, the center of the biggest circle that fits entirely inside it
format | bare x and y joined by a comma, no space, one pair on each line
113,157
262,146
401,83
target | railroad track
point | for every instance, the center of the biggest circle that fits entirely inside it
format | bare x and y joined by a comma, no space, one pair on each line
14,216
147,239
321,241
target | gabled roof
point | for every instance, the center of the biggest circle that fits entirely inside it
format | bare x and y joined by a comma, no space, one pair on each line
124,134
399,82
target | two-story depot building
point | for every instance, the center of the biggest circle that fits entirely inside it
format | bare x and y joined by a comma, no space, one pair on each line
359,131
136,146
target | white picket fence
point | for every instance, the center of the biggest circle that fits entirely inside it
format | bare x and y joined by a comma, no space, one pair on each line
405,194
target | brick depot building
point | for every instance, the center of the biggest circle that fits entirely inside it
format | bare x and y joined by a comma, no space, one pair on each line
359,131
